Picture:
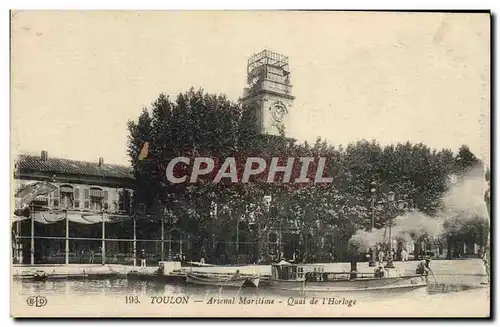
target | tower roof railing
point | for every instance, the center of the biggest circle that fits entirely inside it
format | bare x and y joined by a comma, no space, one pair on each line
267,57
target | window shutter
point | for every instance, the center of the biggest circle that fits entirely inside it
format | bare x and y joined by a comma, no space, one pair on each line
86,193
105,195
77,193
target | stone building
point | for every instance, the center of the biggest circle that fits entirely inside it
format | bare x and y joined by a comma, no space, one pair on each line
88,218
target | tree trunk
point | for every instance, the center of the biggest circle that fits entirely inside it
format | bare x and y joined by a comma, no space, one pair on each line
449,242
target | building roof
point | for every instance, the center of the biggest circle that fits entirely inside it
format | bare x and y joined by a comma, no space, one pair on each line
74,167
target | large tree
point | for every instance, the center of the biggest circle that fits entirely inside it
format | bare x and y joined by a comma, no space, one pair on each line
198,124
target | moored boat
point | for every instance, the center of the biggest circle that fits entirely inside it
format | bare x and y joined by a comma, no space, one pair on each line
41,276
222,280
197,264
173,277
167,272
313,280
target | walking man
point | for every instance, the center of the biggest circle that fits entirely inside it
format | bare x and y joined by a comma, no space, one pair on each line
143,258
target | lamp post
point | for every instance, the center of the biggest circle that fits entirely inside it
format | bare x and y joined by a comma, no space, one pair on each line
390,263
267,199
237,235
401,204
372,262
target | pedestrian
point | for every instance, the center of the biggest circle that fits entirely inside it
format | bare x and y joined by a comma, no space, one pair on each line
381,256
91,259
404,255
423,266
143,258
380,272
236,275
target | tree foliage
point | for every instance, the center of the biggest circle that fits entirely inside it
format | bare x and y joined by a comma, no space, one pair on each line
198,124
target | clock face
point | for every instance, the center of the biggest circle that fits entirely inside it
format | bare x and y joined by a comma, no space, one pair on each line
278,112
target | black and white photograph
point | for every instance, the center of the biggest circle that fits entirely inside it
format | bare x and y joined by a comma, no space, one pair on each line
250,164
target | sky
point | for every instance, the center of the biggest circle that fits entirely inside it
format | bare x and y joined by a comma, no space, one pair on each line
78,77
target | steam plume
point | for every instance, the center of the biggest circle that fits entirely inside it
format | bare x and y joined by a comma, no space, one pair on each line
463,207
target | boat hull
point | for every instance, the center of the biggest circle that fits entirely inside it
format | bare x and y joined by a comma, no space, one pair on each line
167,279
53,277
220,281
393,285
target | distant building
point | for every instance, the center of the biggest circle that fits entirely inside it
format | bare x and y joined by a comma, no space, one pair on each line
82,186
89,217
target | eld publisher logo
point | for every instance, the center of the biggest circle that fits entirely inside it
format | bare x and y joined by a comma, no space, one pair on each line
36,301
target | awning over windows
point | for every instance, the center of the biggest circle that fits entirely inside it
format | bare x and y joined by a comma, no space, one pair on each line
95,192
66,189
51,217
97,218
29,192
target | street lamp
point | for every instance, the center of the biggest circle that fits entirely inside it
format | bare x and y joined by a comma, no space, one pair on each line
401,205
267,199
372,262
390,263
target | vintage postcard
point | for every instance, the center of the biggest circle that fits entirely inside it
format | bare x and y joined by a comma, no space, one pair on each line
250,164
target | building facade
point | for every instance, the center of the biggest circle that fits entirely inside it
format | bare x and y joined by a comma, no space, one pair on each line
88,218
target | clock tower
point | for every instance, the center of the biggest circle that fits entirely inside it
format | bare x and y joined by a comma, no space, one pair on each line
269,90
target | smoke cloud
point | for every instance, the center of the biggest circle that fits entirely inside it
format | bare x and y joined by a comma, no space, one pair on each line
414,225
463,207
362,240
466,197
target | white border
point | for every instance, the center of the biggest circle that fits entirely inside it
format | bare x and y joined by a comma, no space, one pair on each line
185,5
256,4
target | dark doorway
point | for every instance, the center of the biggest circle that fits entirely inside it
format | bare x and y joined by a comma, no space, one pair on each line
291,244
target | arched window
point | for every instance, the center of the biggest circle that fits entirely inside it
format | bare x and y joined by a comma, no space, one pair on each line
67,197
96,198
105,198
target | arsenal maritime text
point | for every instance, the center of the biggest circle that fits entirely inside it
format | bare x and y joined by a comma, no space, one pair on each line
241,300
